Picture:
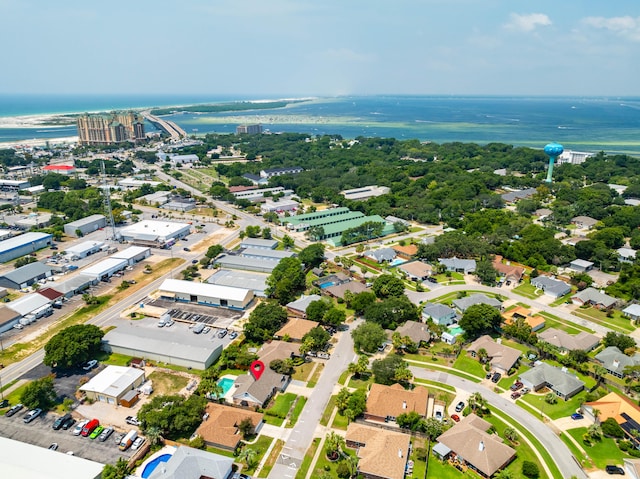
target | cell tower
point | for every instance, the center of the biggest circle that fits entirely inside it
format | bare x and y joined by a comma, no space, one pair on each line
553,151
106,191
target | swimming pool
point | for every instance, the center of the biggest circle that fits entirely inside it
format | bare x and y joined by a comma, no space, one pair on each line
397,261
151,465
225,384
456,330
326,285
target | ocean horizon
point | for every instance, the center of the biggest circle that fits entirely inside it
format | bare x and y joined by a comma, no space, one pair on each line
610,124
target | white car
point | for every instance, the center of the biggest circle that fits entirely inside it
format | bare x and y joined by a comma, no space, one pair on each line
90,365
78,429
137,443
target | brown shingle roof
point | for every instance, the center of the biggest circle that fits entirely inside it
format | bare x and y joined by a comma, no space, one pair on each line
50,293
296,328
415,330
509,271
221,427
484,451
384,453
408,250
394,400
499,355
339,289
416,268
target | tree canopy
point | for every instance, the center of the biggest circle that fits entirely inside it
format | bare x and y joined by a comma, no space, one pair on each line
267,318
73,346
39,394
387,285
175,416
287,280
480,319
368,337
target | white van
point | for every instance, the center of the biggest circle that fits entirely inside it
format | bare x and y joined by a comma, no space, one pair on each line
128,440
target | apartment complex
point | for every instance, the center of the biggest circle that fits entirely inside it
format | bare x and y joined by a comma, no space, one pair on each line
115,127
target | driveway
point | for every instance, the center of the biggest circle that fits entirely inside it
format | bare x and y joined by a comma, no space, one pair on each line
550,441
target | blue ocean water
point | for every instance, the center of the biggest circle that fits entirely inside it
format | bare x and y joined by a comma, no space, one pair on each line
589,124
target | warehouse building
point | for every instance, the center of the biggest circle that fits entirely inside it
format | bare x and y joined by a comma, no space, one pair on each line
133,254
280,206
179,347
14,185
133,183
105,268
83,249
5,234
256,282
74,285
247,264
8,318
206,294
266,254
34,220
21,245
32,304
85,226
156,234
26,275
259,243
113,383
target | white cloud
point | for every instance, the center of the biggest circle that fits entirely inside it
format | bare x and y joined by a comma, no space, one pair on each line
528,22
627,26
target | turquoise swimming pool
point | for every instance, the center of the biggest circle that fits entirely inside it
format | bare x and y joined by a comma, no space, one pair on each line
150,467
456,330
397,261
225,384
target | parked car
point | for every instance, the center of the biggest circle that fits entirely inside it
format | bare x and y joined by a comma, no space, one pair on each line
104,435
78,429
96,432
31,415
90,365
455,417
137,443
186,249
90,427
460,406
57,424
496,377
525,391
515,395
233,335
222,333
488,375
517,385
194,261
13,410
68,423
53,446
576,416
132,420
611,469
169,323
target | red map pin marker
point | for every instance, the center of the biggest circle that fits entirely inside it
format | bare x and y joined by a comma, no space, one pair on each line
256,368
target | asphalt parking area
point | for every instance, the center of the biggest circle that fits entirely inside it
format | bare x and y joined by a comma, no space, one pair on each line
66,383
40,433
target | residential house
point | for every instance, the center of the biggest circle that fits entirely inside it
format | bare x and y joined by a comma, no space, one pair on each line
515,196
112,384
406,252
623,411
542,213
593,297
559,380
626,255
458,265
382,255
295,329
417,331
466,302
507,271
221,427
581,265
470,442
569,342
298,308
585,222
551,287
189,463
386,403
251,392
338,290
382,454
288,170
536,321
416,270
501,358
632,312
439,313
614,360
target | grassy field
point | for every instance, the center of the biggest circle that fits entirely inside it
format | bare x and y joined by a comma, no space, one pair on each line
469,365
308,457
555,411
528,291
275,414
326,415
14,396
584,461
313,380
616,322
167,383
273,457
434,384
297,409
303,371
260,446
427,363
602,452
552,321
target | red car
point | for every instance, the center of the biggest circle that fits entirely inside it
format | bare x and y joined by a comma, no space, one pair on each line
515,395
455,417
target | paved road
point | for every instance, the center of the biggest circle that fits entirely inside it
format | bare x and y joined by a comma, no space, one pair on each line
552,443
302,434
441,291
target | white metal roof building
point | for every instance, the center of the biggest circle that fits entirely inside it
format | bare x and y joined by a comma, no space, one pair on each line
105,268
28,304
133,183
4,234
112,383
257,282
26,461
84,249
177,346
247,264
21,245
266,254
74,285
133,254
158,232
206,294
85,225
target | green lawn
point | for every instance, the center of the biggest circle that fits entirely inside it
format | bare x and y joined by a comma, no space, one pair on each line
616,322
553,322
602,452
434,366
260,446
562,300
275,414
363,383
340,422
297,409
434,384
469,365
14,396
326,415
528,291
308,457
343,377
442,470
585,461
167,383
555,411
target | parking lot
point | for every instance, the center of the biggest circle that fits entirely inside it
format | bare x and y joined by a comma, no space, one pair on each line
40,433
196,313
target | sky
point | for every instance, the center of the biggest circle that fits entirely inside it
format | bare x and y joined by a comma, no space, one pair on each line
293,48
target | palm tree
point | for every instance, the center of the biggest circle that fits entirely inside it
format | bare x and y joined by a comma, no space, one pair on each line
482,355
596,415
352,463
476,401
511,434
154,434
595,431
249,456
334,444
599,372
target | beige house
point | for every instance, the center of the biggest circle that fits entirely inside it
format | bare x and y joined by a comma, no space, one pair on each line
383,454
296,328
386,403
502,358
221,426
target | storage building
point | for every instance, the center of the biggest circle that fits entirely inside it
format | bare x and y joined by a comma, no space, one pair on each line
155,233
206,294
257,282
35,304
8,317
85,226
74,285
105,268
84,249
133,254
25,276
259,243
266,254
112,383
246,264
21,245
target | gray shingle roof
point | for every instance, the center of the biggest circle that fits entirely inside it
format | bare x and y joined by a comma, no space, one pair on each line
551,286
592,295
437,311
464,303
556,378
615,360
187,462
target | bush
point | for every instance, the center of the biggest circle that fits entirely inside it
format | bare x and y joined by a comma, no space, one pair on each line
611,428
625,445
530,469
421,454
343,470
633,452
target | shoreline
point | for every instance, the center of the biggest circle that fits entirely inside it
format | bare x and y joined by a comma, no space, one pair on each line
35,142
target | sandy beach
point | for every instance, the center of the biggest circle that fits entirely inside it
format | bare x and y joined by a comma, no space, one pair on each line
34,142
